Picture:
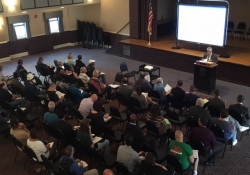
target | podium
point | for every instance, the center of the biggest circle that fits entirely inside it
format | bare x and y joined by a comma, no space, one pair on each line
205,75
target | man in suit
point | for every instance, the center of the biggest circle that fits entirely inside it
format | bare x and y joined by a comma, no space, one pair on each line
238,107
216,101
125,90
198,110
209,56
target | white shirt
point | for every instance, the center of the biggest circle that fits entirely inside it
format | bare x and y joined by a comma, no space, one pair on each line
39,148
86,106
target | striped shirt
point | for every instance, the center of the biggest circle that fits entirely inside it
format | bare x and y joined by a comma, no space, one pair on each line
160,123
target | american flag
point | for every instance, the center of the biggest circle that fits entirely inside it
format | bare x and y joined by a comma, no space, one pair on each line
150,19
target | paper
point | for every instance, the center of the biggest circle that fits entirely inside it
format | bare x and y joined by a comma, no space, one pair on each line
96,139
148,67
18,98
205,61
142,158
167,88
51,144
102,73
145,94
114,86
205,101
195,153
59,94
107,118
147,77
84,164
23,109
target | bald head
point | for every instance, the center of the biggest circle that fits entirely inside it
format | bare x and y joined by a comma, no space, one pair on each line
108,172
178,136
94,97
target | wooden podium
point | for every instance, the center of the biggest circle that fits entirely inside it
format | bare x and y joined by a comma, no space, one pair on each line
205,76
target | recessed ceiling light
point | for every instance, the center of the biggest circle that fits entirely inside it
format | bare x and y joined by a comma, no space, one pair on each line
62,7
24,12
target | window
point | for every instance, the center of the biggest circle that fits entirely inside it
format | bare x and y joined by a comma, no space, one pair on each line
54,25
20,29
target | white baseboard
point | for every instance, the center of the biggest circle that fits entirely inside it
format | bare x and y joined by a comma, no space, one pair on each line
4,59
65,45
19,55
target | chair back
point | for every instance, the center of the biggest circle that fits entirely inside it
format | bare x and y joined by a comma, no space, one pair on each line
62,138
108,132
47,164
218,132
66,66
174,162
237,116
118,77
81,149
121,168
31,154
100,34
196,144
78,115
50,130
123,67
230,25
214,111
114,112
98,156
151,128
154,94
189,103
192,123
241,26
17,143
135,103
62,171
172,115
170,135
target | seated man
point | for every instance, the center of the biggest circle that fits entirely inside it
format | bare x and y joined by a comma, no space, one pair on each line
79,62
243,110
19,131
216,101
125,90
67,75
50,117
206,136
198,110
191,96
127,156
72,165
139,138
84,77
67,130
15,81
86,105
179,94
141,81
228,128
76,93
21,70
183,152
13,100
160,89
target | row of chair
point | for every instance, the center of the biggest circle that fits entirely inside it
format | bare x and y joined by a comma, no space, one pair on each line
240,30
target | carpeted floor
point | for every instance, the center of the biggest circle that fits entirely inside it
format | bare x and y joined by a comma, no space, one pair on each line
234,162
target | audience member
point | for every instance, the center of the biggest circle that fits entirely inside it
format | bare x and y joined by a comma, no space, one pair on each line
206,136
46,69
141,81
125,90
97,118
15,81
144,101
61,104
79,62
86,105
50,117
13,100
139,138
183,152
21,70
70,62
84,77
99,86
149,166
39,147
85,136
156,117
228,128
19,131
108,172
61,84
160,89
67,75
78,94
2,77
67,129
216,101
179,94
91,68
191,97
241,109
72,165
198,110
127,156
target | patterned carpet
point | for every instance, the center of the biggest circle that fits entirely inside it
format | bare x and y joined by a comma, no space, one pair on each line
235,162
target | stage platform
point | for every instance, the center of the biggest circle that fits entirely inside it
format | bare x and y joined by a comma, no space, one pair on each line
235,69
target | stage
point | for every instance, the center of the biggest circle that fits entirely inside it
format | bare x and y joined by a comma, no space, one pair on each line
235,69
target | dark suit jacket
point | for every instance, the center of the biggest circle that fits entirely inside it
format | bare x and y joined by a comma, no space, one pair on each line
213,58
197,111
242,110
136,132
217,102
67,130
126,91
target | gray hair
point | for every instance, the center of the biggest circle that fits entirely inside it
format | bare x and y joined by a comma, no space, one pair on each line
51,105
209,49
159,80
200,102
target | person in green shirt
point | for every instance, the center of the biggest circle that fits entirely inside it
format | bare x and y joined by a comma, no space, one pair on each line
183,152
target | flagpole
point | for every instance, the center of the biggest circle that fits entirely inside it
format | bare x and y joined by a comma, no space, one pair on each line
150,18
149,44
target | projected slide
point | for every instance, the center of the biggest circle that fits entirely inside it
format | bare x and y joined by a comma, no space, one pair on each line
202,24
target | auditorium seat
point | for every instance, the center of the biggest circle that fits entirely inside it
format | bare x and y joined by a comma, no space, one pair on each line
240,29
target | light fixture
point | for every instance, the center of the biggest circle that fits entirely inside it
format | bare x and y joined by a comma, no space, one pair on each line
90,1
24,12
10,4
62,7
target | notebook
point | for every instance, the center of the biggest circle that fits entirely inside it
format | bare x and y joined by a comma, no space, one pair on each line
114,86
107,119
148,67
145,94
96,139
167,88
205,100
59,94
51,144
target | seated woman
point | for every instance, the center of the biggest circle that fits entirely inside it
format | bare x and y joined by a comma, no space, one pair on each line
70,62
85,136
144,101
155,117
149,166
39,147
61,104
67,75
47,69
99,86
84,77
97,118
